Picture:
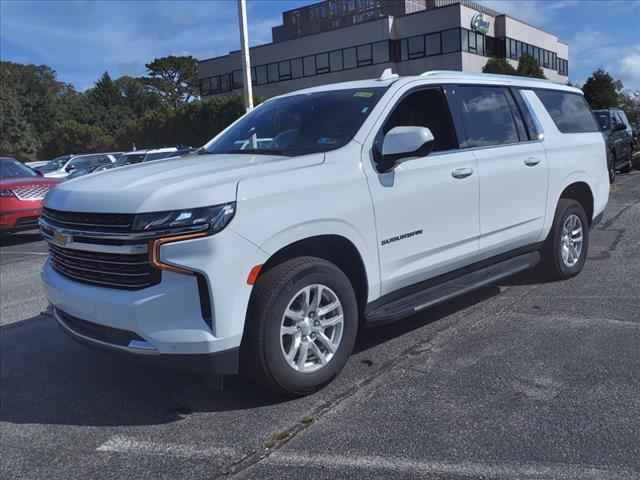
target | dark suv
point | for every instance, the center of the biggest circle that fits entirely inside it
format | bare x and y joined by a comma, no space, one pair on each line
619,140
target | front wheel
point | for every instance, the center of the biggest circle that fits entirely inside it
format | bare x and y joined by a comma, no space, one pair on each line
301,326
565,249
612,169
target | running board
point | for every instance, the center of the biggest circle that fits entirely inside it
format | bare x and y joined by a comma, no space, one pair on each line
415,302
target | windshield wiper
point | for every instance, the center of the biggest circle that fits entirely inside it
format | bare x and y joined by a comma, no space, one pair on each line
257,151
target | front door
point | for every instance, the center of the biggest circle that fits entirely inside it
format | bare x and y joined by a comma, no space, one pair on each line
426,209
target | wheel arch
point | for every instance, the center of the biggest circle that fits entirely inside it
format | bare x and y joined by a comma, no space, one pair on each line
580,192
336,249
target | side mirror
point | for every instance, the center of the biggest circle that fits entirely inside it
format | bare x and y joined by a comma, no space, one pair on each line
620,126
404,143
70,168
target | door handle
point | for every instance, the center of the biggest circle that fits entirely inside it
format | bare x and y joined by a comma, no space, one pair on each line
462,173
531,161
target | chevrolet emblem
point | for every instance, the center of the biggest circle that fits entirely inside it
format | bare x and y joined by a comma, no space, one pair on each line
61,238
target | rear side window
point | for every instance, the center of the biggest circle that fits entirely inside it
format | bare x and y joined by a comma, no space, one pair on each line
486,116
569,111
603,119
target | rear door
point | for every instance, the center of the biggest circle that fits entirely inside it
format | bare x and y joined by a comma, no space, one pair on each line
512,167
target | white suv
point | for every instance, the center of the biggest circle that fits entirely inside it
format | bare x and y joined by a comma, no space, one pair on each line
64,166
373,200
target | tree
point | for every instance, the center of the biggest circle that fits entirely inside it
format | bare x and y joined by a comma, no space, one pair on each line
71,136
601,90
105,92
174,78
528,67
136,96
499,65
629,102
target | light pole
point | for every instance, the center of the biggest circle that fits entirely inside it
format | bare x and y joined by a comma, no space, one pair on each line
246,61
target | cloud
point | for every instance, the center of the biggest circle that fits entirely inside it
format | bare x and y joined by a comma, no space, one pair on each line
629,69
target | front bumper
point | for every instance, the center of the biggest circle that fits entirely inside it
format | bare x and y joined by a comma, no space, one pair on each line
131,345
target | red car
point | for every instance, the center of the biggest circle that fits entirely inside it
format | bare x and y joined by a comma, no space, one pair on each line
21,194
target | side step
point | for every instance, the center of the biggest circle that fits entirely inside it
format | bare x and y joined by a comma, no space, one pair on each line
415,302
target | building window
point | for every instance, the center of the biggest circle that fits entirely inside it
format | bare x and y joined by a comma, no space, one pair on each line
364,55
380,52
404,50
205,87
253,75
563,67
215,84
284,69
433,44
237,79
261,74
416,47
451,41
225,83
272,72
349,58
473,44
335,60
296,68
309,65
322,63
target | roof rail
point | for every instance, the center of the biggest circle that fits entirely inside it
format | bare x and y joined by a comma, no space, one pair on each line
470,75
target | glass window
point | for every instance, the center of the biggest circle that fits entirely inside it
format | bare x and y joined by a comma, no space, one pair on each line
416,47
253,75
473,44
380,52
425,108
364,55
603,119
335,60
515,111
296,68
486,115
225,83
205,86
299,124
464,40
11,168
215,84
569,111
261,74
284,68
404,49
322,63
450,41
433,44
237,79
490,46
349,58
309,65
272,72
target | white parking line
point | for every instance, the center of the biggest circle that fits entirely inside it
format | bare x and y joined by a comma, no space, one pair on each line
128,445
556,471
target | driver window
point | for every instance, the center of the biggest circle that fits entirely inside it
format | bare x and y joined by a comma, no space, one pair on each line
425,108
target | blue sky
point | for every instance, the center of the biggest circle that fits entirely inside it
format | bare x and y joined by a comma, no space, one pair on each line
81,38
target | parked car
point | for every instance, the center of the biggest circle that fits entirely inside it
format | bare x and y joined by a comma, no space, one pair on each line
62,166
34,165
139,156
21,193
373,201
619,140
83,171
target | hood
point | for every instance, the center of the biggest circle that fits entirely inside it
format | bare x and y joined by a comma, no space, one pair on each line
170,184
25,182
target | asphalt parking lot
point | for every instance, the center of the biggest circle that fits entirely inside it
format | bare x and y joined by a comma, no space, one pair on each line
523,380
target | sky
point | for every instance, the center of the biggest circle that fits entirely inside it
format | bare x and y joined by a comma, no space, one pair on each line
80,39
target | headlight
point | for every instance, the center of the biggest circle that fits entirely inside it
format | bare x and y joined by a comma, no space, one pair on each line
6,193
217,217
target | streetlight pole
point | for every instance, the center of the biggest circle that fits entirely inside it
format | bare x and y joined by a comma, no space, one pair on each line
246,61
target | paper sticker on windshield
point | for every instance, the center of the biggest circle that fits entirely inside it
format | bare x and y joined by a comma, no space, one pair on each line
363,94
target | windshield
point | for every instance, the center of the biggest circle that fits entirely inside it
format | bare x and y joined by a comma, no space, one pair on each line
158,155
15,169
300,124
603,120
129,159
55,164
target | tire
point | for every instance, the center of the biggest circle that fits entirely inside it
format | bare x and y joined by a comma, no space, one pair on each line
629,165
554,265
265,346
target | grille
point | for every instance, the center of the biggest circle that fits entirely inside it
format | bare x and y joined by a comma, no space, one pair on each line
113,270
32,193
90,222
98,332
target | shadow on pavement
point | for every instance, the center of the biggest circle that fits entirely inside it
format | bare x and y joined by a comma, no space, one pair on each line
13,239
47,378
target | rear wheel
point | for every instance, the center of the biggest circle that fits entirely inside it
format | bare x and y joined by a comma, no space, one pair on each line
301,328
565,249
612,168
